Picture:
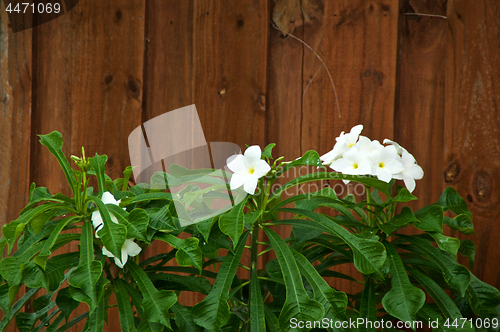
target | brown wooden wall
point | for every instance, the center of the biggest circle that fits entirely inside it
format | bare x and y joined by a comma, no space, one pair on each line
423,72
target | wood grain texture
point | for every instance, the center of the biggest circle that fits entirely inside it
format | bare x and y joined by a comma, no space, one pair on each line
419,106
89,67
15,103
15,121
472,150
357,40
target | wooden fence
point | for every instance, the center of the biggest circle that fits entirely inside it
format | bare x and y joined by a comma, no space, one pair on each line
425,73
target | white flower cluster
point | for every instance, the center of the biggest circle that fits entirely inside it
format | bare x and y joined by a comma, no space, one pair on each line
130,248
358,155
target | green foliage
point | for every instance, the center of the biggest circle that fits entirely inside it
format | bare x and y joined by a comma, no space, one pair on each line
401,277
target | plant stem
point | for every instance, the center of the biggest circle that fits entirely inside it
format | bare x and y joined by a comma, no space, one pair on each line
368,199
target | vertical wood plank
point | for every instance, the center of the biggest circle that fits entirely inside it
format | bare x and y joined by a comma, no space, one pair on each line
15,101
472,150
419,107
15,120
357,40
211,54
168,75
89,68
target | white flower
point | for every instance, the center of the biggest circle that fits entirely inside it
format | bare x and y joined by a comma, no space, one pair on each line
344,143
130,248
248,169
107,198
385,163
399,148
353,162
411,171
367,146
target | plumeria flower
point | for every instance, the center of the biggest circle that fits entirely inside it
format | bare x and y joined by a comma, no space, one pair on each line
344,143
411,171
130,248
248,169
399,148
353,162
385,163
367,146
107,198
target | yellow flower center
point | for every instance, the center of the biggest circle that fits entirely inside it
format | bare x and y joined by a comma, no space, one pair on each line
251,170
350,145
355,166
381,165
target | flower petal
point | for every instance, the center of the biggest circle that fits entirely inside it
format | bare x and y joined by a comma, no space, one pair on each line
252,155
108,198
261,168
339,165
119,263
238,179
251,184
106,252
96,219
356,130
131,248
409,183
236,163
414,171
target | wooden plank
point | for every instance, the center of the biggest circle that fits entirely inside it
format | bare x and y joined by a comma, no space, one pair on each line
472,153
357,42
15,123
213,55
89,68
15,101
419,119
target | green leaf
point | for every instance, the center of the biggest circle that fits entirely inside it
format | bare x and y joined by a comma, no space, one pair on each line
368,306
451,200
155,303
404,196
310,158
183,319
444,302
483,298
88,270
188,253
17,307
461,223
233,222
113,235
213,312
468,249
136,222
333,301
272,321
54,143
98,164
66,303
369,253
446,243
41,259
177,282
126,176
400,220
431,219
257,321
297,305
124,307
404,300
456,275
267,150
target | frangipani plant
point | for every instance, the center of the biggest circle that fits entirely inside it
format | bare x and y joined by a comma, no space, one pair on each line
404,278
